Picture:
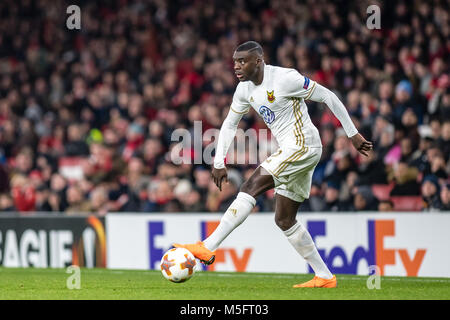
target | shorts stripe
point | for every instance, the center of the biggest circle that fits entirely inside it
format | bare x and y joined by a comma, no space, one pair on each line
281,166
294,157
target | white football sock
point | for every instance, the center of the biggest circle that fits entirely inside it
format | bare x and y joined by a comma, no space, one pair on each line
301,240
238,211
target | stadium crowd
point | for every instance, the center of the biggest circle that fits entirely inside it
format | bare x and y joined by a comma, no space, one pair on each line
87,116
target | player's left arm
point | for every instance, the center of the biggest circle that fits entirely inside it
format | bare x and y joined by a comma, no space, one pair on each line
226,136
321,94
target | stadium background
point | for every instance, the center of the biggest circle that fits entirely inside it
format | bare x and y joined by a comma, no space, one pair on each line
86,119
86,115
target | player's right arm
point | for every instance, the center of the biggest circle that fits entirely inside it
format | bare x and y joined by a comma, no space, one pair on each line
300,86
324,95
238,108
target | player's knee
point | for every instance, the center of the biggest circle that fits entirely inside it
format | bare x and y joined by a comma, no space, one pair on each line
257,184
284,223
248,188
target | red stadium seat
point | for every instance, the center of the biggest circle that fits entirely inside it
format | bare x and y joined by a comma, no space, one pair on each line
407,203
382,191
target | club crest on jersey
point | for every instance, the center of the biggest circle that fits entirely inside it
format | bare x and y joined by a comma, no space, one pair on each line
267,114
270,96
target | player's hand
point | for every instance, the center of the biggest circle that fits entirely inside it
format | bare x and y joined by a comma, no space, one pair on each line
219,175
362,145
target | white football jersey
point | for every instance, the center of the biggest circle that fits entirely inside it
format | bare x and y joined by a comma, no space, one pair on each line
280,101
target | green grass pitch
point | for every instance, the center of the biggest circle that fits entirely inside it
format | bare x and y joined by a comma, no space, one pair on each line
104,284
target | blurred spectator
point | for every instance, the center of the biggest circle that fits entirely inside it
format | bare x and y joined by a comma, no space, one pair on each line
76,201
438,168
4,181
188,197
332,202
23,162
405,180
371,170
348,187
431,193
385,206
99,200
136,179
57,197
383,135
135,137
341,161
75,145
407,150
55,201
159,194
404,100
364,200
445,197
444,140
23,193
409,125
202,178
42,199
6,203
316,202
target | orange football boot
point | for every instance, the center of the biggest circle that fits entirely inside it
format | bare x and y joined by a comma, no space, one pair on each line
317,282
199,251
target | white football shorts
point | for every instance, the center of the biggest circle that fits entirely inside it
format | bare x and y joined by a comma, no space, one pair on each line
292,170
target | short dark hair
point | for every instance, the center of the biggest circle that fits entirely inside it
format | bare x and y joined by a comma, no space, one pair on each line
387,201
250,46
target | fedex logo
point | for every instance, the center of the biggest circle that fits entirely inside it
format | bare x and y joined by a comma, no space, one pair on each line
374,254
223,255
155,228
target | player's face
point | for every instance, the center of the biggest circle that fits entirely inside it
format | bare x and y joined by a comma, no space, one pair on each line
245,65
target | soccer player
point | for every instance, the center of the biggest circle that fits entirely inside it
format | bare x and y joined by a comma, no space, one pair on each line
278,95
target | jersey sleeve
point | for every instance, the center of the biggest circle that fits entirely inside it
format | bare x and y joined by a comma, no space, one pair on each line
226,137
297,85
240,104
324,95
